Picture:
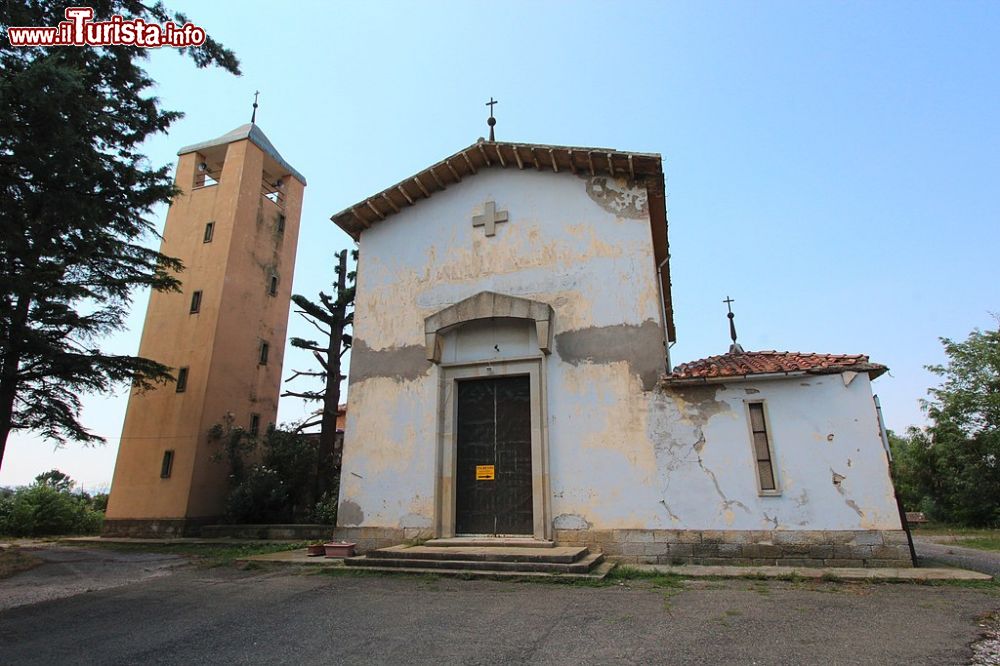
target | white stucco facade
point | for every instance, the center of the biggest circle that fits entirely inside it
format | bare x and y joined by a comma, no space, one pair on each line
618,448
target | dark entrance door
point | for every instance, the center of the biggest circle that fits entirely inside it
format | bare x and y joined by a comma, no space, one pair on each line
493,484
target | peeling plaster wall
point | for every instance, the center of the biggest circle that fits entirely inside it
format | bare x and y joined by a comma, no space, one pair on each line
682,459
581,245
817,426
623,454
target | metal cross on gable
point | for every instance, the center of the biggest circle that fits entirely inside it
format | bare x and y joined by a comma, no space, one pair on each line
491,121
490,218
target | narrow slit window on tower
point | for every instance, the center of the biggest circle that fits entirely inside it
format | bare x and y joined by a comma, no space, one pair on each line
196,302
281,223
272,288
182,380
209,232
265,348
167,466
763,452
254,424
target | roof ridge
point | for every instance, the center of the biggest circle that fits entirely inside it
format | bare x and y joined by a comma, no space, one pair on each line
772,362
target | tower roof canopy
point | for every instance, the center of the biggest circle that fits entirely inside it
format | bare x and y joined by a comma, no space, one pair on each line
256,136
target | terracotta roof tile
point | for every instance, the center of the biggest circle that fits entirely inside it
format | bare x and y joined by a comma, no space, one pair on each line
773,362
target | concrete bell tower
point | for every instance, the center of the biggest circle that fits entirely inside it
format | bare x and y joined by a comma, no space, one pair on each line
235,225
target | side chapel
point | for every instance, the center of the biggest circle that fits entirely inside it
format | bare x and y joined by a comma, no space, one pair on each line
510,380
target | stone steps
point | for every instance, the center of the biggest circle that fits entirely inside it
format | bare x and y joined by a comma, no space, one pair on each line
581,566
554,555
481,561
595,574
484,542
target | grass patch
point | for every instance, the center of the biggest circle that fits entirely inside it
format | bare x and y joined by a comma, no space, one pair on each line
655,578
992,586
208,555
13,560
981,542
943,529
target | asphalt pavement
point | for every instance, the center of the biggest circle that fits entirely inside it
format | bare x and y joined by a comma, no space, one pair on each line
194,615
935,551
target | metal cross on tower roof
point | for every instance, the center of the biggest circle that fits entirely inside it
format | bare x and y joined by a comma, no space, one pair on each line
253,116
734,348
491,121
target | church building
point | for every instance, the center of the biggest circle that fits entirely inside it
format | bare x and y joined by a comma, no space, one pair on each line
510,382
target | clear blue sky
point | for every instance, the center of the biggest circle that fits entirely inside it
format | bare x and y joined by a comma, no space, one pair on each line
831,166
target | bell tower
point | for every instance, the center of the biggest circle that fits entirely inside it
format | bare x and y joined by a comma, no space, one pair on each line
235,226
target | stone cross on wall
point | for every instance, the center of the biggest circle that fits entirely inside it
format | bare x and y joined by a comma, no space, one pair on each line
490,217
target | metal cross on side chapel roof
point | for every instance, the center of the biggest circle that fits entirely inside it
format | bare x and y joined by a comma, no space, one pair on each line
734,348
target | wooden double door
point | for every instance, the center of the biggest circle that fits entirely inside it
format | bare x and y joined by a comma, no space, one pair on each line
493,465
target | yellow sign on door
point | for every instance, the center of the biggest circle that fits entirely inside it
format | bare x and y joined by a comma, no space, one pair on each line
484,473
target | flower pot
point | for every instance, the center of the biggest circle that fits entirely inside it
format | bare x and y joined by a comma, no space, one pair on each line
339,549
316,550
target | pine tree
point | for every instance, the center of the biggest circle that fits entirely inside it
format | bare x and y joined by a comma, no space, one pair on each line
336,315
76,195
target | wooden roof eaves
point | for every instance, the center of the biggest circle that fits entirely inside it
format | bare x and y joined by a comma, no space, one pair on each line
475,157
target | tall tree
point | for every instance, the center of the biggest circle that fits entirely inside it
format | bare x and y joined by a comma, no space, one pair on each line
76,195
952,468
331,317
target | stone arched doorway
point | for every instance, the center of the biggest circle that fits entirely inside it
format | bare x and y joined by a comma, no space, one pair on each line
492,453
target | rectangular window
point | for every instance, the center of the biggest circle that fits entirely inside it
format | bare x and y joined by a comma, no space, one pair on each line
182,380
254,424
168,464
281,223
264,350
209,232
767,483
272,289
196,302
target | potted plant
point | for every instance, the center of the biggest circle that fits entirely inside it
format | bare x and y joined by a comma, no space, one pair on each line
339,549
316,549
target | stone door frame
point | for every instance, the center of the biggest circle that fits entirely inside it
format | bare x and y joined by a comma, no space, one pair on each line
447,440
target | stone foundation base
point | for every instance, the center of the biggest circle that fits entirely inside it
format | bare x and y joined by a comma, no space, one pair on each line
796,548
154,528
373,538
300,532
792,548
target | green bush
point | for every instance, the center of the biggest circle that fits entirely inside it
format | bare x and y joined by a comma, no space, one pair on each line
325,511
260,497
273,478
42,510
